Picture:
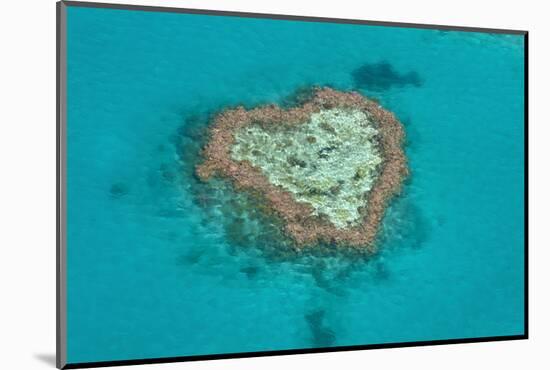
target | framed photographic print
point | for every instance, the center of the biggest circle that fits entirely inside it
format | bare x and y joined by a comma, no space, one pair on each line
234,184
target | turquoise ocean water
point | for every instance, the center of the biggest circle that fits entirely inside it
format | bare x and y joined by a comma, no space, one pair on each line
161,265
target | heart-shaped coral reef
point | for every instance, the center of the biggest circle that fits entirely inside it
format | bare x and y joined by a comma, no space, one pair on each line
327,167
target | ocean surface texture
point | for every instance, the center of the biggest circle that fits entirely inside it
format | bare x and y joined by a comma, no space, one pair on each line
160,264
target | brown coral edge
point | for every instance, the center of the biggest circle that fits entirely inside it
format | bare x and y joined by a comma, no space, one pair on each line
307,229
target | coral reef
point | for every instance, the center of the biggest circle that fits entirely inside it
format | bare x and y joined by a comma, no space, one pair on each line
327,167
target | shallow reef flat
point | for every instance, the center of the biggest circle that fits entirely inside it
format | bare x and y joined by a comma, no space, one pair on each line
327,167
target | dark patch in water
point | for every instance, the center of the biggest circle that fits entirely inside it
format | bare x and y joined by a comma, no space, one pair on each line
168,174
317,273
203,199
118,190
321,334
189,140
250,271
383,76
235,232
191,258
329,278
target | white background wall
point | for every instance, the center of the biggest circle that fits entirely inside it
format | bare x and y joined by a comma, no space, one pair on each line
27,183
